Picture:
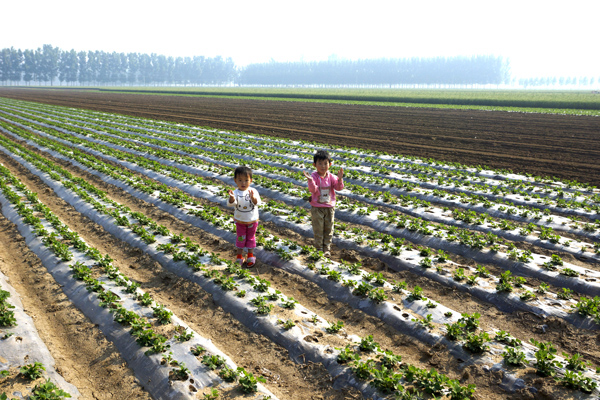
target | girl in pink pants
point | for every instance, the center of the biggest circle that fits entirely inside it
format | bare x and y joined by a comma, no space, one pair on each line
245,202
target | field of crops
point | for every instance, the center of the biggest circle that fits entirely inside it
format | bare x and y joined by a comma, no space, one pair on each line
446,281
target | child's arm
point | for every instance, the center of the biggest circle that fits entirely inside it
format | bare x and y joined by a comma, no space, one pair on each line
312,187
255,197
231,202
339,184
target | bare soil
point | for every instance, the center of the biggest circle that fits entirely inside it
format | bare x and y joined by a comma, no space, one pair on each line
91,363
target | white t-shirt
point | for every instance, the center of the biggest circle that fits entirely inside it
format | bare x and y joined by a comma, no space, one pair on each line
245,209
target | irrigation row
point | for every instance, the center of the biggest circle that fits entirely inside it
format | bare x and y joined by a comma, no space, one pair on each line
23,349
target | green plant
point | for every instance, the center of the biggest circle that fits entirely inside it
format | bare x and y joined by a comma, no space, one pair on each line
565,294
575,362
182,334
514,356
32,371
290,303
362,369
181,373
545,356
385,379
213,361
287,325
347,354
368,344
228,374
416,294
390,360
48,391
576,380
162,314
197,350
335,328
248,382
425,322
475,343
213,394
459,392
377,295
470,322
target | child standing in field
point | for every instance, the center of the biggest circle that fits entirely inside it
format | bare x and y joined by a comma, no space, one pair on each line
245,202
322,185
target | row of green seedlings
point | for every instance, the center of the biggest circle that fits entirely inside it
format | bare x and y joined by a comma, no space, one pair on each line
7,315
281,147
576,374
62,240
350,173
367,194
215,216
193,260
470,238
45,390
30,372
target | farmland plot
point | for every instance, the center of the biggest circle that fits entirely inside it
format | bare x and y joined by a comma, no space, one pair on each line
425,296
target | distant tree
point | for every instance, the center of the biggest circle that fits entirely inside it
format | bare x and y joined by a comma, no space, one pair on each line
145,69
68,67
85,74
133,68
49,63
29,66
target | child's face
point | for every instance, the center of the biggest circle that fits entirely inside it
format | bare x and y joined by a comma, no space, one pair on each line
322,166
243,181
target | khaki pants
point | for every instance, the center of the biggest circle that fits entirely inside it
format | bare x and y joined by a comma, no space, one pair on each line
322,222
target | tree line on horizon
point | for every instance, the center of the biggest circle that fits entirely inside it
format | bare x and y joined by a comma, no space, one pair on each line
51,65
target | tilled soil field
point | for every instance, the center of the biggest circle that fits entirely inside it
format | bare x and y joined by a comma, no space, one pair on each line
564,146
525,142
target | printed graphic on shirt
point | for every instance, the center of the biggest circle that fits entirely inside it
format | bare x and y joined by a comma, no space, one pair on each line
244,204
324,192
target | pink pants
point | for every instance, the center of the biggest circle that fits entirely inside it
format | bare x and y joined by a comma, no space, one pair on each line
246,235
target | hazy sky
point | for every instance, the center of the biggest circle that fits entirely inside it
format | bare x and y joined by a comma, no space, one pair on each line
541,38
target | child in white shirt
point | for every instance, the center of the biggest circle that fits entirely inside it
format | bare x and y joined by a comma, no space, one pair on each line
245,202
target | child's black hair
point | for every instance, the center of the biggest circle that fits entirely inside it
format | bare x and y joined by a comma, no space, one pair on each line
242,170
321,155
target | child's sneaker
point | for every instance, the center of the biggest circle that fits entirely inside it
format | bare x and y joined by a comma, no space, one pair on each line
327,254
251,260
240,260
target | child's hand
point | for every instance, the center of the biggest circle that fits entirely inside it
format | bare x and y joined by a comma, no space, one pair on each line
253,196
231,197
307,175
340,173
